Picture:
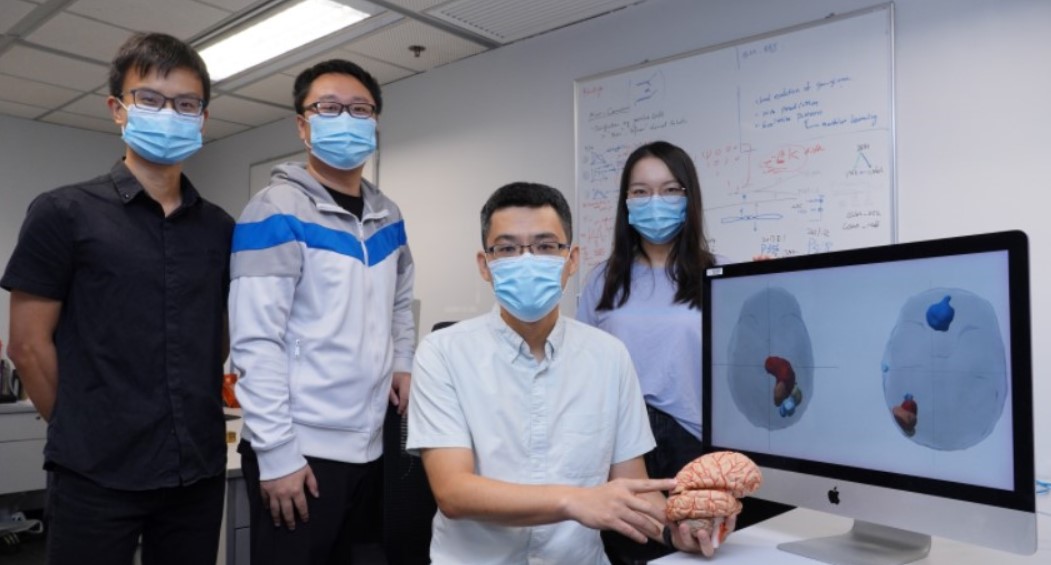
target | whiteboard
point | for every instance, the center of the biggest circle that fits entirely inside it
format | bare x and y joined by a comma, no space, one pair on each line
791,132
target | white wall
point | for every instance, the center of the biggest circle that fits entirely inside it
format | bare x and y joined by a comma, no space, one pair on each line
34,158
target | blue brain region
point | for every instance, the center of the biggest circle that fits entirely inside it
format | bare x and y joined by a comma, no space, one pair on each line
945,369
771,360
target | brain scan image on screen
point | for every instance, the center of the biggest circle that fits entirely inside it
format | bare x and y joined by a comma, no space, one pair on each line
771,360
945,370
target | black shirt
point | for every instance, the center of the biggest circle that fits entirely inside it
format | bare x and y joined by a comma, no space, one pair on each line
353,204
139,337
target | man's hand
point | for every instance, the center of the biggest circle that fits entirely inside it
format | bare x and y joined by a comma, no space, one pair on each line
285,497
399,392
700,541
616,506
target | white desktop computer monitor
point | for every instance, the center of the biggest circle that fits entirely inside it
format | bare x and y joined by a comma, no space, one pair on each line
891,385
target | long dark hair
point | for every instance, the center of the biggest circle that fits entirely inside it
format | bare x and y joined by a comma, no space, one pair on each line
689,255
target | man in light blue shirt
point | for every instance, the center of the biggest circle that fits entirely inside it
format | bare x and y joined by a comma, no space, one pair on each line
531,426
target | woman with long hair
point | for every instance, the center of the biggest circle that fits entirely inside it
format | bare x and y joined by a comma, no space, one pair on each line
648,294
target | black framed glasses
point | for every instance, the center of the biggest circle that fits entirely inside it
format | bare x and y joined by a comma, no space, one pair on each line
153,101
361,110
542,248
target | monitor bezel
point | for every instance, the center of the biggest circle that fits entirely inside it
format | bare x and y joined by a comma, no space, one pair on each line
1015,243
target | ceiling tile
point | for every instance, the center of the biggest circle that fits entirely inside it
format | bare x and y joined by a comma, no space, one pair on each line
391,44
276,88
181,18
241,111
11,12
91,105
383,72
14,89
215,129
229,5
509,20
417,5
294,70
54,69
82,122
20,110
74,34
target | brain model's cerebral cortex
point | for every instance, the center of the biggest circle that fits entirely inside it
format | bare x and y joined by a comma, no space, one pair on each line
771,360
945,370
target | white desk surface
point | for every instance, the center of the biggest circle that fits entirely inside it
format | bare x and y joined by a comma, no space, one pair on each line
758,544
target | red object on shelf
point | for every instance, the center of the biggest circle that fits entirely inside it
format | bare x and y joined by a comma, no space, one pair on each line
229,398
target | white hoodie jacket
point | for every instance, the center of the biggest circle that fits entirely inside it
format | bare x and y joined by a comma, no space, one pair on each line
320,318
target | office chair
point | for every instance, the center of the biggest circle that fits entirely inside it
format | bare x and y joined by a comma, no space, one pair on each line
409,506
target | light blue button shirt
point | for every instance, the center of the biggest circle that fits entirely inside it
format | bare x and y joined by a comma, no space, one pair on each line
562,420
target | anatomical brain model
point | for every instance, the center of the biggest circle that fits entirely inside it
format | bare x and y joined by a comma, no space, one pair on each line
708,489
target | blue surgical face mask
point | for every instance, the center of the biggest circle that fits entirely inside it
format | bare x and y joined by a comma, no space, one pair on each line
657,218
343,142
164,137
529,287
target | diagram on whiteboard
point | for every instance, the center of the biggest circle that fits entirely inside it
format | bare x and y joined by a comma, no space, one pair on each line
791,135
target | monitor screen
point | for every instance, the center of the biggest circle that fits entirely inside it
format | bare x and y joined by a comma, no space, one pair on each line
888,384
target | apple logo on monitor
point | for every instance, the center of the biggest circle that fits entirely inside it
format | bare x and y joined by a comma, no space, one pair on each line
833,495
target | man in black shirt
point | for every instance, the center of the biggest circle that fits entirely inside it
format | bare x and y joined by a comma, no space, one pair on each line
118,307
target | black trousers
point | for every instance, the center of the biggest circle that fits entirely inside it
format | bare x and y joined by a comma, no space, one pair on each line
346,512
675,448
89,524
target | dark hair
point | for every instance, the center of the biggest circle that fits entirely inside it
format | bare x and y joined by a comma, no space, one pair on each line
156,51
689,255
340,66
529,195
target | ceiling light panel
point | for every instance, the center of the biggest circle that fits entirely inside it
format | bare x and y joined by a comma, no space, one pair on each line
273,35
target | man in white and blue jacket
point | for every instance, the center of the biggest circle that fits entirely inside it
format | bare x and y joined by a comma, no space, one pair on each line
321,328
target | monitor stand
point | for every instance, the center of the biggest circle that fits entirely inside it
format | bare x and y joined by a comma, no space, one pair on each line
865,544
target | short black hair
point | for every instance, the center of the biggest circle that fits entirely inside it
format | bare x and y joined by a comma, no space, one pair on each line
528,195
151,51
340,66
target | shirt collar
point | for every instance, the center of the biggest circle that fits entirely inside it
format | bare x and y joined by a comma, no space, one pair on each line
128,187
516,344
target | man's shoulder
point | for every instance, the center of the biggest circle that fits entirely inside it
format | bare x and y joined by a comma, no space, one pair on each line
464,332
101,185
280,197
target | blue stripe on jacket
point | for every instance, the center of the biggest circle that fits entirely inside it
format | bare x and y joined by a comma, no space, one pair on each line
284,228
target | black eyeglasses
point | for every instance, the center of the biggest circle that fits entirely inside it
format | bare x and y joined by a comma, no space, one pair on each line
361,110
153,101
546,248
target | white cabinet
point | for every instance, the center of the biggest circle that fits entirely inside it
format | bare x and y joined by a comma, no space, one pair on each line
22,436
